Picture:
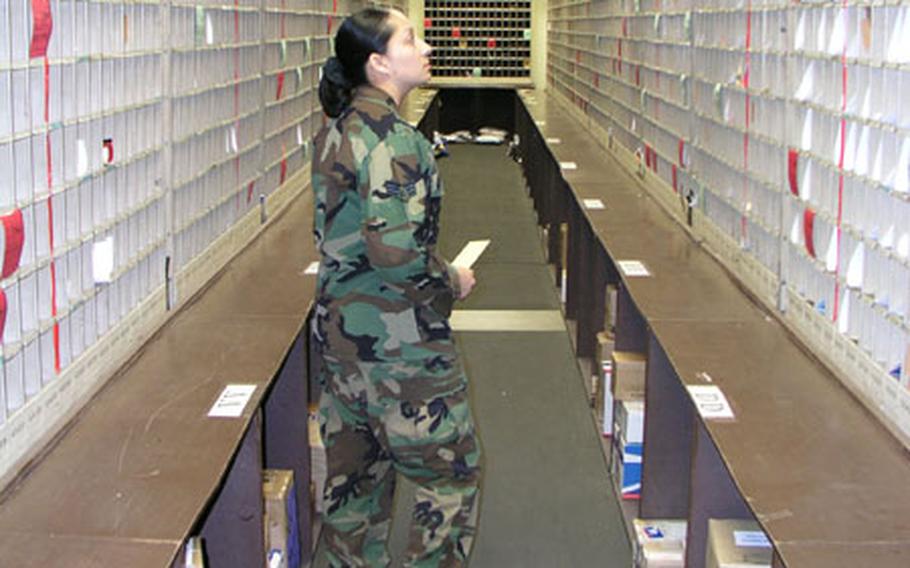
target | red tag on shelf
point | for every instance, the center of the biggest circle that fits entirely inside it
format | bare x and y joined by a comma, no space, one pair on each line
42,26
456,32
638,75
108,146
335,6
619,48
808,223
682,153
280,87
57,347
14,236
647,155
675,179
491,43
427,23
793,170
249,191
283,173
2,313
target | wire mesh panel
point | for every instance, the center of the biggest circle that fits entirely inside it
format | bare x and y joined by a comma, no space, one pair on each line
480,38
787,124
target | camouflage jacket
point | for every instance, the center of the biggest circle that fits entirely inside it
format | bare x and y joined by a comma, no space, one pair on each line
377,198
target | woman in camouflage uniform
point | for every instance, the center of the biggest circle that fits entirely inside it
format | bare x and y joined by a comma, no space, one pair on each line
395,395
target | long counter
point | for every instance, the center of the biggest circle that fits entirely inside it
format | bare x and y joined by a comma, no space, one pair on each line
143,467
802,456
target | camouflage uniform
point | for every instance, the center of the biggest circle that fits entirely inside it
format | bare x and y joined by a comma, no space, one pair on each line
394,392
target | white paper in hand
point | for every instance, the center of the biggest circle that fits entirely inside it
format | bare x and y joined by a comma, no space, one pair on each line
470,253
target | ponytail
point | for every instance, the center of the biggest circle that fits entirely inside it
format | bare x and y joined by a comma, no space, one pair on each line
335,89
359,36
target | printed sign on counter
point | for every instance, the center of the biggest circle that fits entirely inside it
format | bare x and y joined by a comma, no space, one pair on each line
710,401
633,268
751,539
232,401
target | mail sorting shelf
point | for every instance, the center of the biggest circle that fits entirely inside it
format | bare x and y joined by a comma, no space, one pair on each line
492,39
802,456
143,467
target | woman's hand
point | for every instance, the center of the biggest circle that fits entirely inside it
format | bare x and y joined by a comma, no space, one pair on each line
465,281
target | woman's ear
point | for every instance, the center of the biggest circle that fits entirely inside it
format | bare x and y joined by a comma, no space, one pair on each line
379,65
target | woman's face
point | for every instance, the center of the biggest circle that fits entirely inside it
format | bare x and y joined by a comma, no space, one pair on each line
407,55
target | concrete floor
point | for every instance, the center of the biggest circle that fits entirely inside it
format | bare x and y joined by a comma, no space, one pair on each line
547,499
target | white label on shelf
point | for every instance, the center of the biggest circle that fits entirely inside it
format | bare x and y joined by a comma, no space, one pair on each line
232,401
470,253
81,158
751,539
209,30
312,268
593,204
554,141
633,268
540,122
710,401
103,260
568,165
232,140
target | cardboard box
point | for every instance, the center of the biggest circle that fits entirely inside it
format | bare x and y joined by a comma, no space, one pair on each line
628,375
737,543
193,556
563,245
630,420
282,528
659,543
612,295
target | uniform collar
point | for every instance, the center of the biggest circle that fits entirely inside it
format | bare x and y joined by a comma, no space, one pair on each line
375,94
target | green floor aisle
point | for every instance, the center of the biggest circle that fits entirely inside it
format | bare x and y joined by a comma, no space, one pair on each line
546,499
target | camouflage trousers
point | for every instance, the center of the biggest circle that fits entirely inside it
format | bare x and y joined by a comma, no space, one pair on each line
409,417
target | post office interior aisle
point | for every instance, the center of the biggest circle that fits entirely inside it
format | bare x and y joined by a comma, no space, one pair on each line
688,345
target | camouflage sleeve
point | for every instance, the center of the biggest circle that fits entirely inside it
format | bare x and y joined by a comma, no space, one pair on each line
401,220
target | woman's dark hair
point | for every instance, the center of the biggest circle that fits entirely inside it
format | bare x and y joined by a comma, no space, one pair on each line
360,35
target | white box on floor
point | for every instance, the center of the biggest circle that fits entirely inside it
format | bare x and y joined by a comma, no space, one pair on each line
630,420
660,543
737,543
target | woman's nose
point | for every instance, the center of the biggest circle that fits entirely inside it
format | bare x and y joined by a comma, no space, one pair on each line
425,48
